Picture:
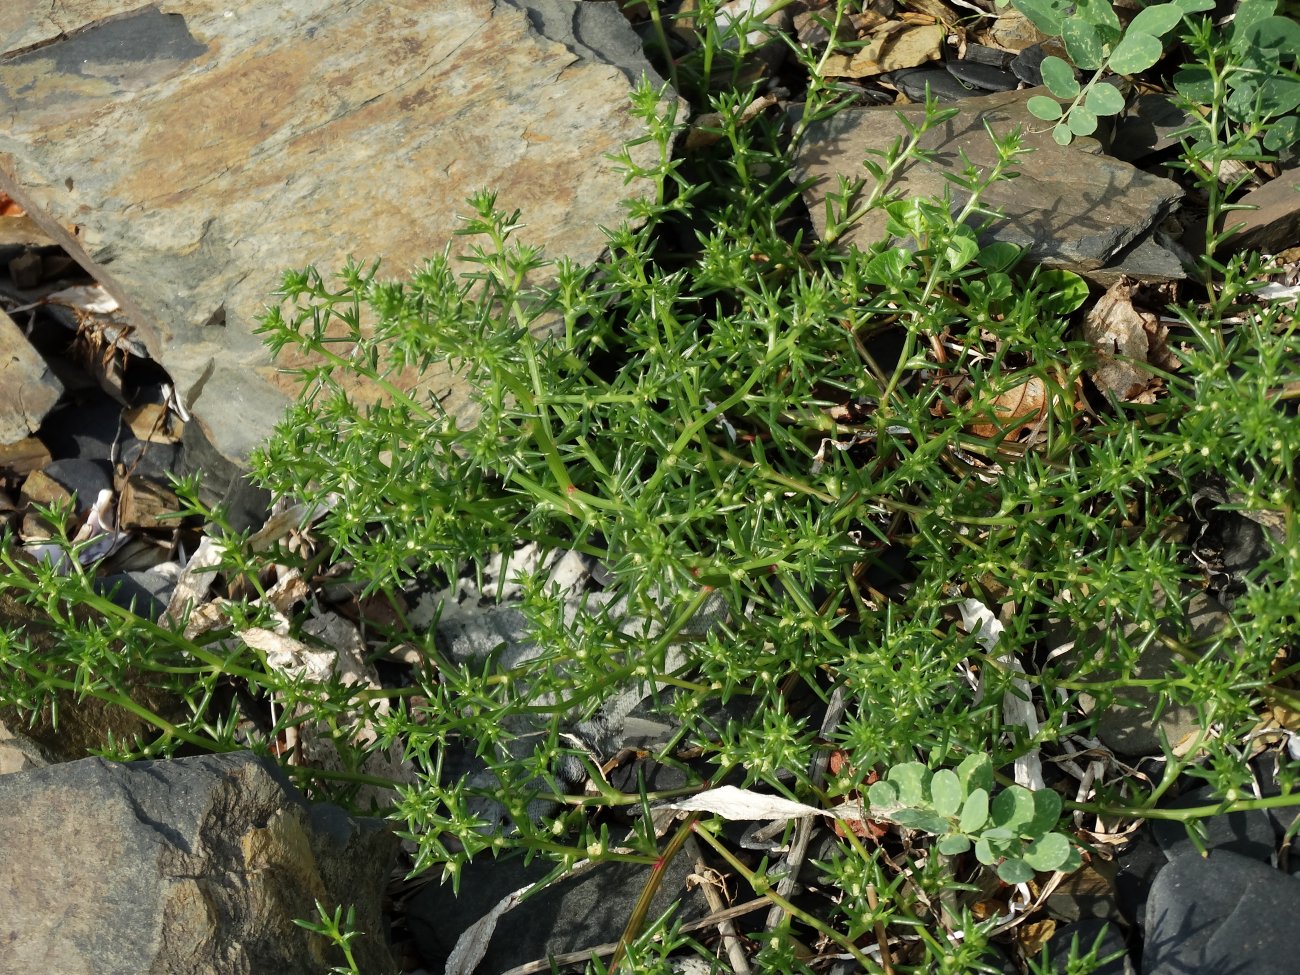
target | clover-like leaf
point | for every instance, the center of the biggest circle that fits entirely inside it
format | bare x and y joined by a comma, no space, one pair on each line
1049,16
1015,871
922,819
1274,34
1082,121
1158,19
1013,807
1195,84
882,795
910,779
984,852
1062,135
976,771
1047,812
1104,99
974,812
1048,852
953,844
946,793
1136,52
1059,77
1194,6
1083,42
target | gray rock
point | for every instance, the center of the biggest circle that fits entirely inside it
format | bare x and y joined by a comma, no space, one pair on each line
569,915
18,753
1149,125
1274,223
197,866
1221,913
1070,207
985,77
28,389
201,150
1247,833
1085,934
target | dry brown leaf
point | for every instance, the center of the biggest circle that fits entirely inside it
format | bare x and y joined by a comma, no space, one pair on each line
1125,337
1021,407
889,48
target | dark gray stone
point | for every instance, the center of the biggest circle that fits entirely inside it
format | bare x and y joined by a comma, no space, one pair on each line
985,77
84,428
1085,935
1222,914
1148,126
943,86
197,865
84,478
569,915
1247,833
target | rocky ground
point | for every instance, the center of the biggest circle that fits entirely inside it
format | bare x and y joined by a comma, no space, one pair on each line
162,165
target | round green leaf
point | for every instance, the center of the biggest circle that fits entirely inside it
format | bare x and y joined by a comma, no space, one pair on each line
1194,6
1063,291
1275,33
910,779
1048,852
946,792
1013,807
953,845
1104,99
1047,812
1195,84
1062,134
1157,20
921,819
1059,77
1279,96
1013,871
1047,15
976,771
882,796
1047,109
1082,121
974,812
1283,133
1099,12
1136,52
984,852
1083,42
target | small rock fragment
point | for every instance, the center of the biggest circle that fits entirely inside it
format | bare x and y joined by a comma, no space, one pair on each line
28,389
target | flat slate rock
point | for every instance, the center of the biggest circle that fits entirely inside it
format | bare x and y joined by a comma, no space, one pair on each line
197,865
1071,208
28,388
188,151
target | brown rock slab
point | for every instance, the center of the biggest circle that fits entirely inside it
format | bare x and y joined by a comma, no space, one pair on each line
28,388
189,151
1274,225
1069,207
197,865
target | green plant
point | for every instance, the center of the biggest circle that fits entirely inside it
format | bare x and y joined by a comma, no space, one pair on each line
794,465
1246,78
1013,829
340,931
